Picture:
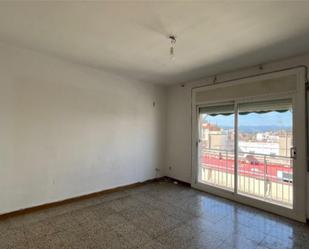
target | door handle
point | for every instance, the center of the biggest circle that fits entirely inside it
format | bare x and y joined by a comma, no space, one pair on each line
198,141
293,152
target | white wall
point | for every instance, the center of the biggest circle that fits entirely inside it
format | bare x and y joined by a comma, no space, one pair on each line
179,119
68,130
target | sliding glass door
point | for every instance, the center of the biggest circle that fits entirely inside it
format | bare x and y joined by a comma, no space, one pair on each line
216,146
264,160
247,148
245,134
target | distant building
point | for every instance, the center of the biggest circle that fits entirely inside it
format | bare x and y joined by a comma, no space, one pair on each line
265,148
285,143
267,137
216,138
276,143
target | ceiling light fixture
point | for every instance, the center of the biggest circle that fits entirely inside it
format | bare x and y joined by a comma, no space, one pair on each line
172,48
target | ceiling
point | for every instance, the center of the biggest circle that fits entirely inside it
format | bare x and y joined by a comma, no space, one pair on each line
130,38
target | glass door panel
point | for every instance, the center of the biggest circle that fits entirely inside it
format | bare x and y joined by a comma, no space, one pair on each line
265,141
216,146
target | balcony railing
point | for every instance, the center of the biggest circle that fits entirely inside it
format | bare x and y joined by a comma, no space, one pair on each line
269,177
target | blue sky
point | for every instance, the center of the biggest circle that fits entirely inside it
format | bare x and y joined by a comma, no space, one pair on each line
253,119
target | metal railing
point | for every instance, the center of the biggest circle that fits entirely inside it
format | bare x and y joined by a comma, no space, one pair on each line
269,177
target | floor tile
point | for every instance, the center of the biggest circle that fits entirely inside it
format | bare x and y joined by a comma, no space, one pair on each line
112,240
46,242
153,244
276,243
131,233
179,237
159,215
238,242
205,240
39,229
13,238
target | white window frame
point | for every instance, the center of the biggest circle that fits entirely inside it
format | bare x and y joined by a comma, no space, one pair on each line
298,212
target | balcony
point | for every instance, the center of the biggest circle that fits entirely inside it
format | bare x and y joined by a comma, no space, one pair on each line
267,177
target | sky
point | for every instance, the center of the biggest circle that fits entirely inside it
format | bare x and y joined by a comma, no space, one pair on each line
283,119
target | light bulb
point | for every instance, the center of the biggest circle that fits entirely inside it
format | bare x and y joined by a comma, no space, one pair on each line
172,53
172,48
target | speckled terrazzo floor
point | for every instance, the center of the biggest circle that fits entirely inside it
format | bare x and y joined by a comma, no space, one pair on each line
158,215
